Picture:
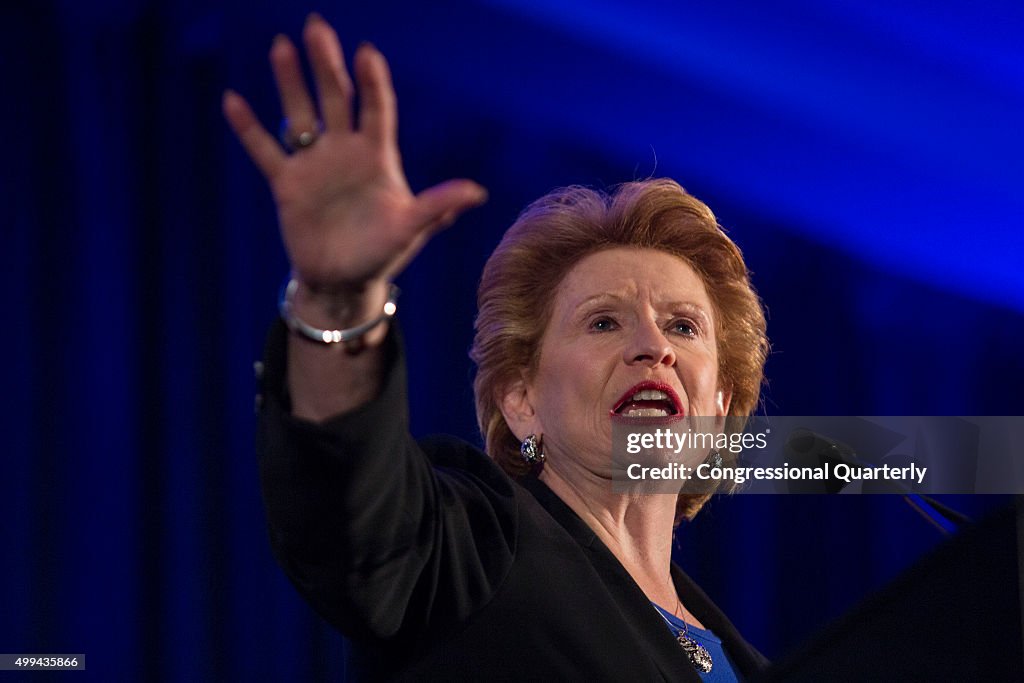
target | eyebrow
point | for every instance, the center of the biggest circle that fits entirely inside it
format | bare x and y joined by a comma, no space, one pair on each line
597,298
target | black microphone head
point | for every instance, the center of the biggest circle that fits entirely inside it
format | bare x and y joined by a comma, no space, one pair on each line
805,448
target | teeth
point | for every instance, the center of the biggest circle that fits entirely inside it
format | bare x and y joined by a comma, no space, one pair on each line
646,412
650,395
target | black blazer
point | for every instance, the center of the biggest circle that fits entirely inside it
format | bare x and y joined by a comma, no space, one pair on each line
438,566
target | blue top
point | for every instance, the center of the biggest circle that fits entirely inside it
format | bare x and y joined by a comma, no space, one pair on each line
722,670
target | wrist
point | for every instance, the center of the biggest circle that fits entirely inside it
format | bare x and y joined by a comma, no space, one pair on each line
339,307
352,317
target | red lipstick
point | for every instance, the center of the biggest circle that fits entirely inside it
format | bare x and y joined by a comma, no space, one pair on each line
630,401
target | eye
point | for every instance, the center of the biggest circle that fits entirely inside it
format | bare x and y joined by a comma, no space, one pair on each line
603,324
683,327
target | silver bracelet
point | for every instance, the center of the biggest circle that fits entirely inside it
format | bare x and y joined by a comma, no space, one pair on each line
286,305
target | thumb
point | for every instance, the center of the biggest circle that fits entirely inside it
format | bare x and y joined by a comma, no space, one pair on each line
441,204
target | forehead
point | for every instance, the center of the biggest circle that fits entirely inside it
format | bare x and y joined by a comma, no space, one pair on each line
624,273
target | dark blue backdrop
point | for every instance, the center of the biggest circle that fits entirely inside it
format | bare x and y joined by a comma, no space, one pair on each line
866,159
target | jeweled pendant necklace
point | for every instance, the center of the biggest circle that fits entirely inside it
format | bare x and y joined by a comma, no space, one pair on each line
695,652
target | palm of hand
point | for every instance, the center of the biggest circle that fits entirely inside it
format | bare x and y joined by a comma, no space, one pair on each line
347,215
346,212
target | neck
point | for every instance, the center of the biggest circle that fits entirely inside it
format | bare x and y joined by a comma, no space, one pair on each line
636,528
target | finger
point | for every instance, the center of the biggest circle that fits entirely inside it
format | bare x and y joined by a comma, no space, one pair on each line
440,205
261,145
333,84
378,115
296,103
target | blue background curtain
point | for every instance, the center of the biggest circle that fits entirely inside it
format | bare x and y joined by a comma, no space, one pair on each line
866,157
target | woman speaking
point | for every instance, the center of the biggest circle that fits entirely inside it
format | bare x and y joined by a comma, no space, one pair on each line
441,562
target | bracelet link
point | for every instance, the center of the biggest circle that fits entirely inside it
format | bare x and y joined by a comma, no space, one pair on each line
286,307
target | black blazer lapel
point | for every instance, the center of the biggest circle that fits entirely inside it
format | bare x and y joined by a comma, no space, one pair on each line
636,610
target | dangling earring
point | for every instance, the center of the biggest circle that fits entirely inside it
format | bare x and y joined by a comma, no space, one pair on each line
530,450
714,459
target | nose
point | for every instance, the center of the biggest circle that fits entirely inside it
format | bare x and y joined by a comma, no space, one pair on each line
649,346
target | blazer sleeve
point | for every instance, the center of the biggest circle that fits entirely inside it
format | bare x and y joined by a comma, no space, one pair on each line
383,536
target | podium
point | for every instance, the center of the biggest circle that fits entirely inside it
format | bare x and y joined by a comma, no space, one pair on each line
953,616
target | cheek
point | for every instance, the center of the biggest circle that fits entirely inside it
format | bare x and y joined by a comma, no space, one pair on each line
701,384
555,393
574,395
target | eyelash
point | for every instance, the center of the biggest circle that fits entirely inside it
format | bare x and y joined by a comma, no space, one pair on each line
682,321
677,322
603,319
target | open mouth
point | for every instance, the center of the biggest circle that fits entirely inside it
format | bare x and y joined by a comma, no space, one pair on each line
648,399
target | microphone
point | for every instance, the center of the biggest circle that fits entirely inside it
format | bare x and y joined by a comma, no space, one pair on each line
805,448
810,449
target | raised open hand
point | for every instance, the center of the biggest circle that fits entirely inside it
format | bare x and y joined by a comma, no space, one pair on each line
348,218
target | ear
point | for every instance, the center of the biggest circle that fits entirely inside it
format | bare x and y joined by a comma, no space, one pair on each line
518,410
723,399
